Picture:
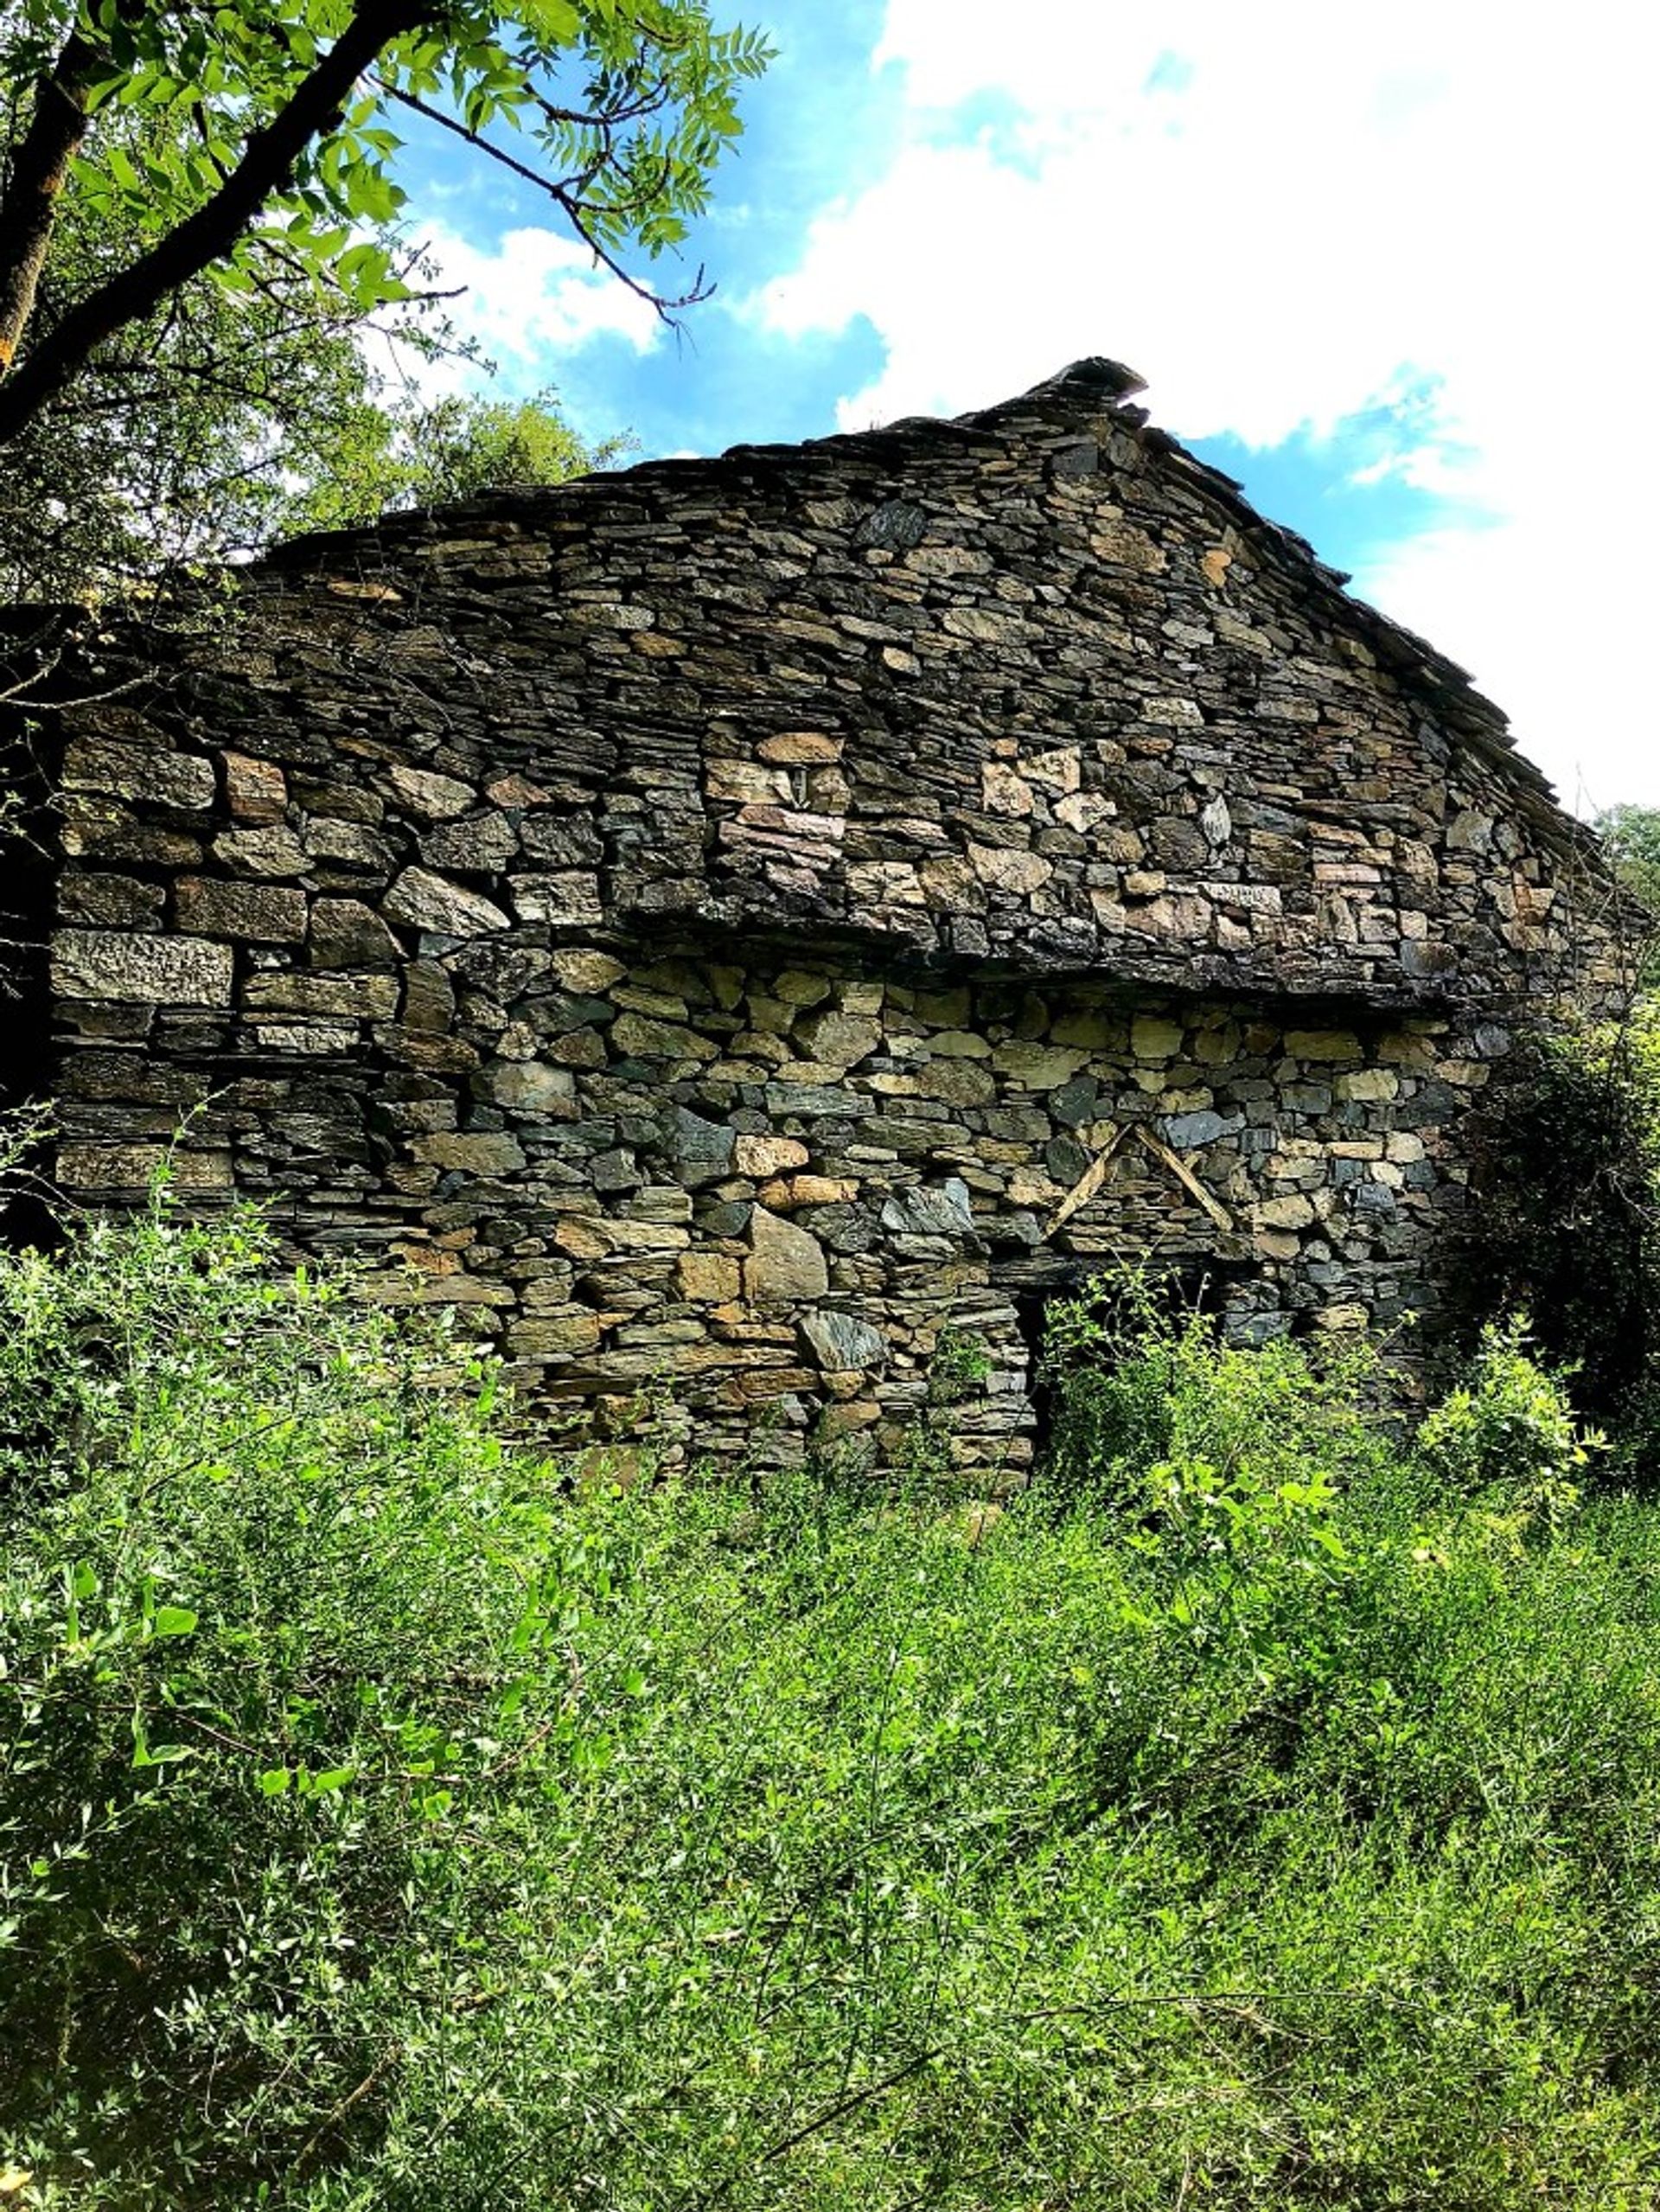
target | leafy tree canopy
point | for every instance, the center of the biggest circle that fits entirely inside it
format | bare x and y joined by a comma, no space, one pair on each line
277,163
226,419
1630,836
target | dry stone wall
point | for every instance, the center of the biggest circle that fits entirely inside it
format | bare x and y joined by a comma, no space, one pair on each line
724,922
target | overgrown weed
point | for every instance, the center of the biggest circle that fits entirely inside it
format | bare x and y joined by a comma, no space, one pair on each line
1270,1818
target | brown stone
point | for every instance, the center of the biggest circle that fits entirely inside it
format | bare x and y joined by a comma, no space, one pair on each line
707,1278
255,791
566,1330
265,913
351,998
786,1265
799,748
762,1157
484,1152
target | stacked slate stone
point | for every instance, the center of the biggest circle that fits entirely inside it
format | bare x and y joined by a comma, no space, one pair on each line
724,923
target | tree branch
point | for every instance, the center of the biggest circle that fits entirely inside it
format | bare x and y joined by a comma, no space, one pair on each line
267,166
565,198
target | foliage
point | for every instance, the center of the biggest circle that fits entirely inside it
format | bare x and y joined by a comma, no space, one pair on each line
1136,1380
278,154
225,420
457,448
1631,837
1510,1430
1267,1825
1565,1219
198,436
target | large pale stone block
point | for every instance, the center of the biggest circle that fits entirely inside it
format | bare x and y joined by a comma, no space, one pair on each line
421,901
640,1038
152,773
1002,869
786,1264
93,1167
527,1087
268,850
1292,1211
1323,1045
762,1157
485,1152
1154,1038
157,970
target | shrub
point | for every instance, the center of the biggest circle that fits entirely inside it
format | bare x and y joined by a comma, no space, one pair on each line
1134,1381
1564,1221
1509,1433
274,1619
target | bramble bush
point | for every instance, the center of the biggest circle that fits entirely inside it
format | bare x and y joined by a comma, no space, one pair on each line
1267,1815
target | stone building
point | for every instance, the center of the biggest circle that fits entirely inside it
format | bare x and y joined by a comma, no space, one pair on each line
720,924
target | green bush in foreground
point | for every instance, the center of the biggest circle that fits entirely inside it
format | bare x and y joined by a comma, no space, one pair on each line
1275,1822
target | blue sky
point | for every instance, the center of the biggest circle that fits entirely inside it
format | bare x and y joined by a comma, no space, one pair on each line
1378,264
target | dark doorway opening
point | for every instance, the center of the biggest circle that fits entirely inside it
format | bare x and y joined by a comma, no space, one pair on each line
1201,1284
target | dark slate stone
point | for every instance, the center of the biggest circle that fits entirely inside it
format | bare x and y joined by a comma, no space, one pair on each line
896,523
931,1210
1188,1131
701,1151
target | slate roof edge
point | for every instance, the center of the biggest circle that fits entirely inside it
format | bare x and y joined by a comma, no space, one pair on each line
1087,388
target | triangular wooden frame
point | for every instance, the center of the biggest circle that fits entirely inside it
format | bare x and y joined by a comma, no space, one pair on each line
1097,1174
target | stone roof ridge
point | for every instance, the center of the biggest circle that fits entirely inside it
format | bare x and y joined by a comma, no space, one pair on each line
1098,384
1079,394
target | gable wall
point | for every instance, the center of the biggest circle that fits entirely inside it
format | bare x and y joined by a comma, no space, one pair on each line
1036,693
388,875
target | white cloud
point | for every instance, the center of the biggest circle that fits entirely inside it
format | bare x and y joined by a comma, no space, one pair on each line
1273,212
534,296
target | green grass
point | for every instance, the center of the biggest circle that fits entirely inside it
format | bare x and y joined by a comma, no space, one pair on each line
1264,1813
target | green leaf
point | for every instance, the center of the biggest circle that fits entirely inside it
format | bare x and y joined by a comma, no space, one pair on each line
174,1620
555,21
145,1754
